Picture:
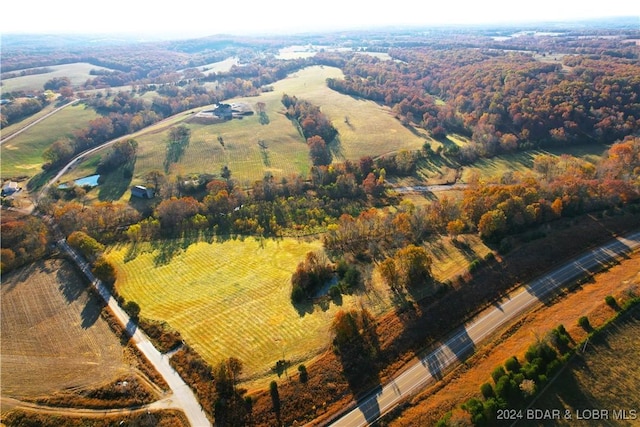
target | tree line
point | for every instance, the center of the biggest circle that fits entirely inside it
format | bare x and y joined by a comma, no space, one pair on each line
503,100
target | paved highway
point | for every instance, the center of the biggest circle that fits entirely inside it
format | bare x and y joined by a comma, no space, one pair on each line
463,341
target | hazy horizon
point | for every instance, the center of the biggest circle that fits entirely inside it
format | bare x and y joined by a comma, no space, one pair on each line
198,18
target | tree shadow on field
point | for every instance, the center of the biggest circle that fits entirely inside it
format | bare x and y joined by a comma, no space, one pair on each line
303,308
91,312
115,184
336,149
69,285
167,249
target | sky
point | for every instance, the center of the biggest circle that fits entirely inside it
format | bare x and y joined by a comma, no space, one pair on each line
196,17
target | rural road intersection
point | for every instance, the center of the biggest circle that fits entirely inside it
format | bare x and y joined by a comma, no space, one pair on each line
463,341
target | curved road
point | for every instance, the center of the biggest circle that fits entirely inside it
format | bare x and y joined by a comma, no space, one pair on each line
35,122
462,341
184,398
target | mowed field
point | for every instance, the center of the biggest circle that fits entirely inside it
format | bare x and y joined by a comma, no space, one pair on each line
372,130
22,155
78,73
233,298
53,337
229,299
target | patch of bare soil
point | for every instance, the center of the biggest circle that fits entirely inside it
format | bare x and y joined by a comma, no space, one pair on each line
54,339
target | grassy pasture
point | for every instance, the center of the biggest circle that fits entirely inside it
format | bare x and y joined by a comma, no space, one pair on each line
229,299
523,161
53,337
78,73
15,127
606,377
232,298
220,66
22,155
371,130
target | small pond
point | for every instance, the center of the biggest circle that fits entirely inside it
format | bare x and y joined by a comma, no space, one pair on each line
87,181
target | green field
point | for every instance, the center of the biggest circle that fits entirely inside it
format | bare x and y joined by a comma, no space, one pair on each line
78,74
233,298
22,155
372,130
230,299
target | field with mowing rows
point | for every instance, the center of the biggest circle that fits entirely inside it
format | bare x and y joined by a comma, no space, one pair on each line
229,299
22,155
371,130
53,337
233,298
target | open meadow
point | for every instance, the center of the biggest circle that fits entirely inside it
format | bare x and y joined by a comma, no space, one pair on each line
22,155
232,298
523,161
53,338
78,73
371,130
228,299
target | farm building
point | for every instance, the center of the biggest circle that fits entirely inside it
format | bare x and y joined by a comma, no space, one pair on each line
222,112
142,192
9,188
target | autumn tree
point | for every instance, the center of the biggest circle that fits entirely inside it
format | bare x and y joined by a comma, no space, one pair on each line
23,240
104,270
356,344
87,245
310,275
121,153
231,408
57,153
174,213
275,399
492,224
318,151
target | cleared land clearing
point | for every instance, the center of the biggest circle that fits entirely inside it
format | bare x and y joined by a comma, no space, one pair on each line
78,73
22,156
365,127
465,381
230,299
53,338
372,130
233,298
220,66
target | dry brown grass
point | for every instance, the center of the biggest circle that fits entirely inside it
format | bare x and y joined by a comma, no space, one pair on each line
605,378
59,348
465,381
141,418
53,337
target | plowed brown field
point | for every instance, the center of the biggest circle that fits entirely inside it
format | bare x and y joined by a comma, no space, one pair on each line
53,337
